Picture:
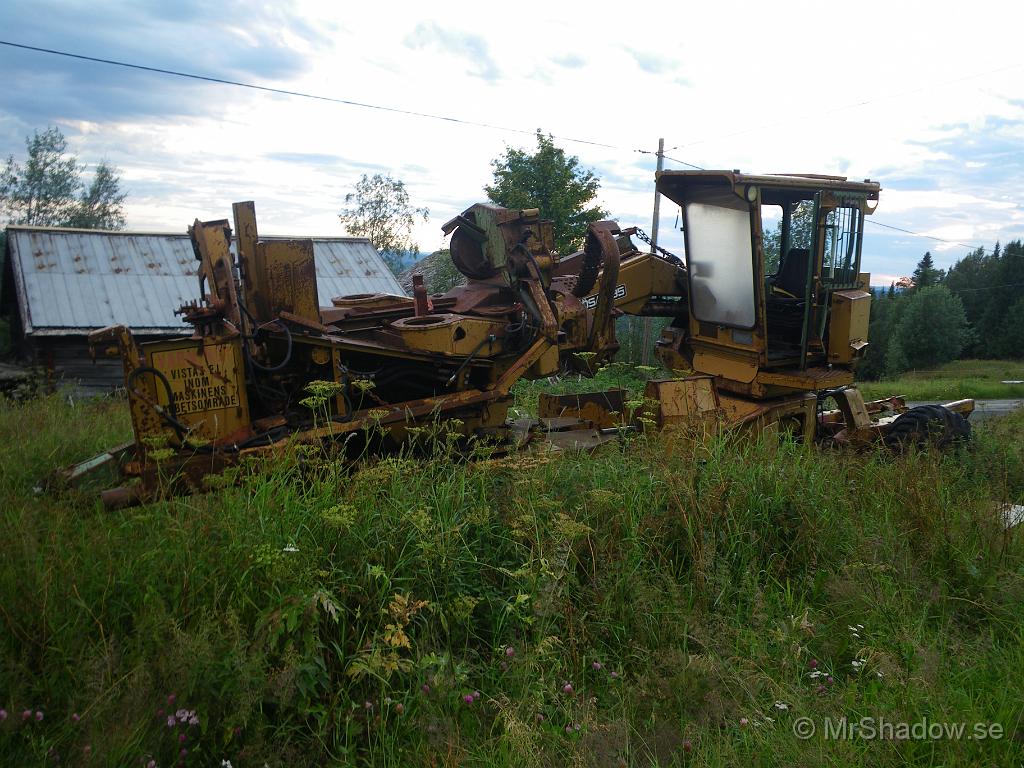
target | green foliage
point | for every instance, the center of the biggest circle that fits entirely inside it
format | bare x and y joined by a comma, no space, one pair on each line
45,191
381,211
102,203
987,287
552,181
665,595
926,274
1001,296
928,330
883,312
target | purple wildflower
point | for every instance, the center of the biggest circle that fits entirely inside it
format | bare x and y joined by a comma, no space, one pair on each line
151,764
468,698
476,695
596,665
39,716
3,715
567,689
613,674
830,680
75,717
400,708
539,717
687,745
171,722
171,699
813,664
26,715
425,688
510,652
744,722
182,738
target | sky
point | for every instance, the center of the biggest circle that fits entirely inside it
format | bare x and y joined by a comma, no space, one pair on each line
925,97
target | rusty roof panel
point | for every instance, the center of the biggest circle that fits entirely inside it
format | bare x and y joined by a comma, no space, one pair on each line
71,281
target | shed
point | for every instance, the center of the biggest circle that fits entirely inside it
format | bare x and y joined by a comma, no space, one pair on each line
61,284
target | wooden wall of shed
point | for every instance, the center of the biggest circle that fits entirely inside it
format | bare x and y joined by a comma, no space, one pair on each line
66,361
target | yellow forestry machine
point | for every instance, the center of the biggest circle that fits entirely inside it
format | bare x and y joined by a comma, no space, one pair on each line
762,336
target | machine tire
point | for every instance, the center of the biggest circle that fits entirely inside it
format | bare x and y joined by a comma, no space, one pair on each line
926,425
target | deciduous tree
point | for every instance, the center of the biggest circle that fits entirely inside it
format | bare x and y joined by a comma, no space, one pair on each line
101,205
48,191
380,209
928,330
552,181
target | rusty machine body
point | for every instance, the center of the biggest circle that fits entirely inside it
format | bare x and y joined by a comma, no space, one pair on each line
751,347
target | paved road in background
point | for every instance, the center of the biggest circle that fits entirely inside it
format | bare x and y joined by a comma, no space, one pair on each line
986,409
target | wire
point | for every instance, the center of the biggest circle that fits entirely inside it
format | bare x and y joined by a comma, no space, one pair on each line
299,94
986,288
445,118
683,162
930,237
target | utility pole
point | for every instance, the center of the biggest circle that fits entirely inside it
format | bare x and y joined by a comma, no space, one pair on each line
646,345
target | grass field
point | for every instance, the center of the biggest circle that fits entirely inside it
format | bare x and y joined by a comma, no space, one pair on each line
672,600
980,379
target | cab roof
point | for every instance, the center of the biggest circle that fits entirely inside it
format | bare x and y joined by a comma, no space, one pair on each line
676,184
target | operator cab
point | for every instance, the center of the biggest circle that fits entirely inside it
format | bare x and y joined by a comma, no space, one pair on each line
777,301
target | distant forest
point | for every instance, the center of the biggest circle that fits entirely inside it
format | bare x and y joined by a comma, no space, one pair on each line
973,310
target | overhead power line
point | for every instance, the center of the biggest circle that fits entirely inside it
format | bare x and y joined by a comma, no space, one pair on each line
426,115
930,237
299,94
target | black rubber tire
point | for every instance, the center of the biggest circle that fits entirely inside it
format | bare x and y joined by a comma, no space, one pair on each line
927,425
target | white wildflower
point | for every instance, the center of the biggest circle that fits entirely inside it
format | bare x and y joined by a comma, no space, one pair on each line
781,706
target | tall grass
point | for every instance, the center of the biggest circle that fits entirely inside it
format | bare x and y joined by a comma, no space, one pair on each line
981,379
673,600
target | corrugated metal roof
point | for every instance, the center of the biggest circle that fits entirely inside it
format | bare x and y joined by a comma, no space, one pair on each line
74,280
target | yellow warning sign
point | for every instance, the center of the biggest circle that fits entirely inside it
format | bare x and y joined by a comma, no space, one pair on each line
204,383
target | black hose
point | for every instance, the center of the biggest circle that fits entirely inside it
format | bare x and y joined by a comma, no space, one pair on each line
489,339
170,414
287,355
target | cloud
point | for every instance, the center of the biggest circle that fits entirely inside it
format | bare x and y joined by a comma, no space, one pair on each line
569,61
465,45
652,63
190,36
320,160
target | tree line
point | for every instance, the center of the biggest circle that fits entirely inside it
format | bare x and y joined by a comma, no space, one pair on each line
973,310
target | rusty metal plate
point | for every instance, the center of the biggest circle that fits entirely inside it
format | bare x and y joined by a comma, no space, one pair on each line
290,278
600,409
207,383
